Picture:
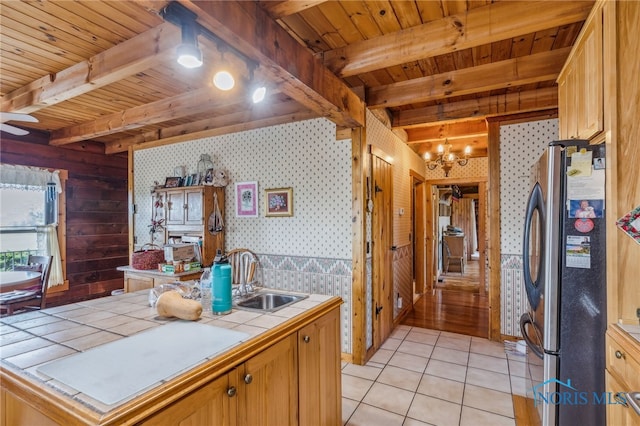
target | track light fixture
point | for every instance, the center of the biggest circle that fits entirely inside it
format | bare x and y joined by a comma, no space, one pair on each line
189,55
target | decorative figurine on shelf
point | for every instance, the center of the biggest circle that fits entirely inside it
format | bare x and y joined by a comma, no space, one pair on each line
220,178
204,165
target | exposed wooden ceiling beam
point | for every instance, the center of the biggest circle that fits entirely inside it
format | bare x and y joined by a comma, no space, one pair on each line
124,59
509,103
249,29
483,25
280,9
190,103
279,113
498,75
439,132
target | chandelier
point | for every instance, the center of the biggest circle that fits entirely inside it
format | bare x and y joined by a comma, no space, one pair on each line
446,159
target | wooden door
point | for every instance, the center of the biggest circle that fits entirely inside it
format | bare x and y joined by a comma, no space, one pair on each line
319,370
382,260
268,386
420,240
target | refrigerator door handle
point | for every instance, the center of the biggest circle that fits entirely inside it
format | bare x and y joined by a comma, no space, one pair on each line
524,320
533,288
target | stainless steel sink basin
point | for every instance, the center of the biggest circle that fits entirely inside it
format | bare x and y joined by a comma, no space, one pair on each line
268,302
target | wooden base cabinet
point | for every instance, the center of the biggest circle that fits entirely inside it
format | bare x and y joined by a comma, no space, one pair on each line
622,375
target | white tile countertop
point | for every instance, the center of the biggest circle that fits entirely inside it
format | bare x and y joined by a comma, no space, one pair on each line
34,339
633,330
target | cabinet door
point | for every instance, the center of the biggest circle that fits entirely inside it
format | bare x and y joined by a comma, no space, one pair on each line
590,79
176,206
211,405
619,413
567,115
319,372
133,282
268,386
193,211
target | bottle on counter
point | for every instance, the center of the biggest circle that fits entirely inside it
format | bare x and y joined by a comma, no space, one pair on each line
205,290
221,286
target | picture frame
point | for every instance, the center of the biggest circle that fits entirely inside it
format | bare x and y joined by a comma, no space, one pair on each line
247,199
278,202
630,224
172,182
194,179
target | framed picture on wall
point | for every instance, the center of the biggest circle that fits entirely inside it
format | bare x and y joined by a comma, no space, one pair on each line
278,202
247,199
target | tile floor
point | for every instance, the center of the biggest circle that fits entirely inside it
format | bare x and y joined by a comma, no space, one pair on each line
428,377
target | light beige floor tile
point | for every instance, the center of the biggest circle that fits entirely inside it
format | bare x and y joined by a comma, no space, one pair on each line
348,407
438,387
424,338
447,370
382,356
517,368
485,347
458,336
434,411
400,333
366,415
389,398
400,378
391,344
362,371
355,387
473,417
375,364
450,355
488,400
415,348
426,331
488,379
413,422
457,343
410,362
485,362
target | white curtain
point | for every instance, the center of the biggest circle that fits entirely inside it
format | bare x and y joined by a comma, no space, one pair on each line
25,177
50,235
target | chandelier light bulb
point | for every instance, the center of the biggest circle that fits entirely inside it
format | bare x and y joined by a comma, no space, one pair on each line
223,80
440,149
467,150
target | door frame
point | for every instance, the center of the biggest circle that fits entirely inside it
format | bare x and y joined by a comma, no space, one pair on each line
419,206
483,231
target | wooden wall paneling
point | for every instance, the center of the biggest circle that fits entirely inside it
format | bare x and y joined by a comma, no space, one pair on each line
627,146
96,213
358,241
493,229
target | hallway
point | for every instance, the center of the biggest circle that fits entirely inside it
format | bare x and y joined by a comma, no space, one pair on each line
455,305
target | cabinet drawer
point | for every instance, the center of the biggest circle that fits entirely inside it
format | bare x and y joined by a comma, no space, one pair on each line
623,360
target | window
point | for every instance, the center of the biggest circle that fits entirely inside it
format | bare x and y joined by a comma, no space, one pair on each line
30,220
22,212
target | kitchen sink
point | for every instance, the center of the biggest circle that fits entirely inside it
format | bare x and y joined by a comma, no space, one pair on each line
268,302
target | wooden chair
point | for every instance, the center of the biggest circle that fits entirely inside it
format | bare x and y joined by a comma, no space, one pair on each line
448,257
243,263
34,298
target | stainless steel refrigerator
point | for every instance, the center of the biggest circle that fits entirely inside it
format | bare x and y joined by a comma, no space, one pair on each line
564,266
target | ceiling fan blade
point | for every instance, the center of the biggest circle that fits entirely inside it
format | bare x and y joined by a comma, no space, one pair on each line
16,116
13,130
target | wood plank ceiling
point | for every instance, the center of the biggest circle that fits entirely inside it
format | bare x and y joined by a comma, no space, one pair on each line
102,75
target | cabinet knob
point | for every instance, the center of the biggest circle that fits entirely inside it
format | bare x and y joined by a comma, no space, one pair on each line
231,391
248,378
619,355
306,339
